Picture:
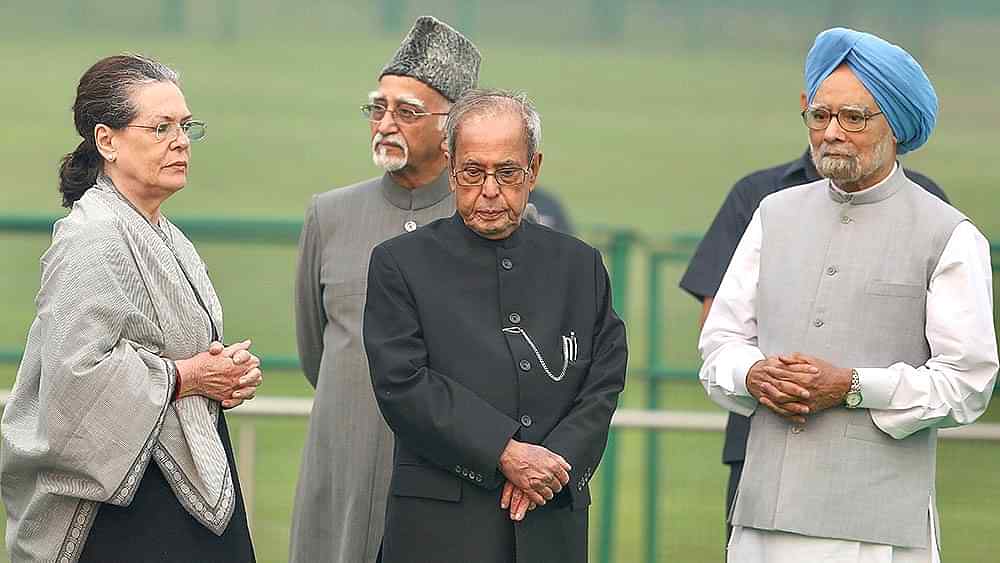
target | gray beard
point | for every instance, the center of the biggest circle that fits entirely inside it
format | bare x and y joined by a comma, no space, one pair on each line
850,170
838,169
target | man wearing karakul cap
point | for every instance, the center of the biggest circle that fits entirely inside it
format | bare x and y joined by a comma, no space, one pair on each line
346,463
855,319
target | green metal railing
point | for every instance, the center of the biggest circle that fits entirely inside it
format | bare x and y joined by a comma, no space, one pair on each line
619,250
626,253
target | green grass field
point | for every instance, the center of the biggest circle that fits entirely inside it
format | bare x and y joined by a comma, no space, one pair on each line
648,134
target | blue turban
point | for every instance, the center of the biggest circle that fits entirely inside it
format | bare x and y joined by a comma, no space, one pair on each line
896,81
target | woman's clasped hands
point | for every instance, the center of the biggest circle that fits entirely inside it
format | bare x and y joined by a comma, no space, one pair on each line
228,374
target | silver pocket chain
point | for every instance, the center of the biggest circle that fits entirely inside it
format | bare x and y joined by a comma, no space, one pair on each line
568,346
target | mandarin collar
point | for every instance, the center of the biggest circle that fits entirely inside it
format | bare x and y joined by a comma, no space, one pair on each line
512,241
417,198
879,192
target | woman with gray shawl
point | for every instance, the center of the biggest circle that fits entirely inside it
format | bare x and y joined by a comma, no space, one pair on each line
114,443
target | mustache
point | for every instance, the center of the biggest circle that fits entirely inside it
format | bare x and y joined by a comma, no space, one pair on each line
391,139
828,150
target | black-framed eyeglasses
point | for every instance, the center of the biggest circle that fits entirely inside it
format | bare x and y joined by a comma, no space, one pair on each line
506,177
193,130
376,112
850,119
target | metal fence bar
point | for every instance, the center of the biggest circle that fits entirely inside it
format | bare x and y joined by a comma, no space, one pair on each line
291,363
228,13
390,14
620,246
654,353
259,230
270,407
173,16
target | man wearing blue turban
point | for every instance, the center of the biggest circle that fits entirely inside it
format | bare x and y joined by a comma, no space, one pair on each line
896,81
854,321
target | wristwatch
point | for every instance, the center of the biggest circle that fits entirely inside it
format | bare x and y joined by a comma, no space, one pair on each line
852,399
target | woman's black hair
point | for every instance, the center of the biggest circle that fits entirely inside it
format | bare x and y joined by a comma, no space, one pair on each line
104,96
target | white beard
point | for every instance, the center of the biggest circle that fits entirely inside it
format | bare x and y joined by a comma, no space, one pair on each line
381,157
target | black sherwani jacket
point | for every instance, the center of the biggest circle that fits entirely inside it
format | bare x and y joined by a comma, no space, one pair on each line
454,386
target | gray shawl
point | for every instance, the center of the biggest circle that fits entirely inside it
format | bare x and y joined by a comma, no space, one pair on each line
92,401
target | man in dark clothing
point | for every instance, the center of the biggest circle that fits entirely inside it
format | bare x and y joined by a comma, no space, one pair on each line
711,259
496,359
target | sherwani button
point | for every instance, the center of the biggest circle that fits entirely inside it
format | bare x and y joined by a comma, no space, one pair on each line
797,429
514,318
845,219
831,270
525,420
410,226
818,323
507,264
525,365
458,469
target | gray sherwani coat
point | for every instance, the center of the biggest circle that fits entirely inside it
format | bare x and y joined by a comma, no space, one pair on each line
347,462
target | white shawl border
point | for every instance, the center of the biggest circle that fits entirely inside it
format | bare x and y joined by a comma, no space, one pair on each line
79,529
86,510
123,496
214,516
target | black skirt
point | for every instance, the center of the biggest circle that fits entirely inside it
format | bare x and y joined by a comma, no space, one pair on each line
155,528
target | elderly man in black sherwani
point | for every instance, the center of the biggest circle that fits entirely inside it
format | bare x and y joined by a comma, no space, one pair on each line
496,358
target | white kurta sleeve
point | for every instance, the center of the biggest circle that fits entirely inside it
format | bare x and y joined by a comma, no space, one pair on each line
955,385
728,342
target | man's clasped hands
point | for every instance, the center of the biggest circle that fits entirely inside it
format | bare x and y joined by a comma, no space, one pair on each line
795,385
534,475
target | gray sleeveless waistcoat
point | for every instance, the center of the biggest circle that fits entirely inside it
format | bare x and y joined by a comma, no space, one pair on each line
844,277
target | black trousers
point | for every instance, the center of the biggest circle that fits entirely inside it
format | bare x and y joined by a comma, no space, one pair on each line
735,471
